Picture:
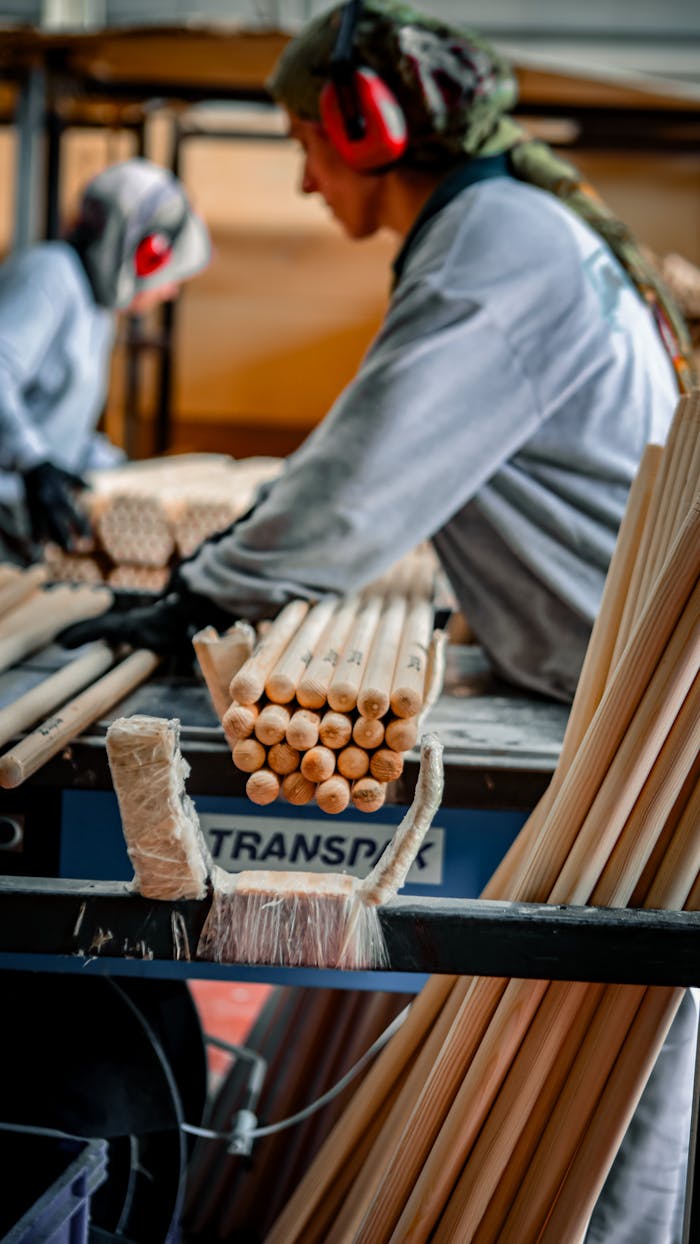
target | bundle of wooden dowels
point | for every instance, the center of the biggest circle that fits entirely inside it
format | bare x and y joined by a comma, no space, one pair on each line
145,514
331,696
495,1113
79,692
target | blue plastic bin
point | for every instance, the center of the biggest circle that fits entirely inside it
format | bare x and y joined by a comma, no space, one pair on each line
47,1183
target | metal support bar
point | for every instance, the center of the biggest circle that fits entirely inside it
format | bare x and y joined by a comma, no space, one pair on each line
456,936
29,190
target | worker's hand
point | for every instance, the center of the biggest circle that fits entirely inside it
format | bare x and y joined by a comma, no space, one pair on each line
165,626
53,514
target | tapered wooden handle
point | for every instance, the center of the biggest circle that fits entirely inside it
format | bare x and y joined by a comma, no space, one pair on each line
17,587
249,683
34,751
35,623
282,682
375,692
52,691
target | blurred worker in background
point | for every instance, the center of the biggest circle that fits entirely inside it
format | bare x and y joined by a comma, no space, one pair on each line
135,239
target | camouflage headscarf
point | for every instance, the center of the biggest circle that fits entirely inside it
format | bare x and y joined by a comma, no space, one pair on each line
452,86
455,91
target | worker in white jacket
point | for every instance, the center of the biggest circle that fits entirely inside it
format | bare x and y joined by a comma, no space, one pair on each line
501,412
135,239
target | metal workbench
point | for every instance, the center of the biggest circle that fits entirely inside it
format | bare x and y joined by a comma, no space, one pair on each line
66,905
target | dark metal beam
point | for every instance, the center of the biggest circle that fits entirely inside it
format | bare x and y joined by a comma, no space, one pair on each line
455,936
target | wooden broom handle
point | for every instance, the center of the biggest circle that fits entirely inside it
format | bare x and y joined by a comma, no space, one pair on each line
16,588
38,621
54,690
375,691
249,683
34,751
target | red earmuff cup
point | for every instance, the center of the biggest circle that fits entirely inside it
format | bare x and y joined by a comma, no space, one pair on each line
385,136
151,254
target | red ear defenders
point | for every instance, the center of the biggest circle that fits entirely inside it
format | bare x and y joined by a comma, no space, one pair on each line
360,114
152,254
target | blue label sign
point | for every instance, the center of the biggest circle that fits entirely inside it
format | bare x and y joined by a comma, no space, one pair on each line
307,845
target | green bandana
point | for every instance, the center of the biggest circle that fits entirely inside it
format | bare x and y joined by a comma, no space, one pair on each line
454,90
452,86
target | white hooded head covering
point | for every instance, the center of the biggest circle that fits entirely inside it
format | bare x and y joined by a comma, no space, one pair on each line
120,207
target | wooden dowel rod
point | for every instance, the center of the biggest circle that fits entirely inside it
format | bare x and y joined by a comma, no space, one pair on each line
629,767
408,684
9,572
680,860
389,1137
54,690
248,684
368,795
302,731
601,657
675,501
281,683
401,733
333,795
297,789
353,763
312,691
366,1102
55,733
36,622
501,1155
470,1093
239,722
318,764
249,755
345,684
441,1090
499,1158
652,810
271,723
19,586
596,667
283,759
637,589
604,1038
263,786
335,729
620,700
616,1105
386,765
375,692
368,733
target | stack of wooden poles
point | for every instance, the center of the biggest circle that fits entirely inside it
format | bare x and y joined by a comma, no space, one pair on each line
147,513
79,692
331,696
496,1111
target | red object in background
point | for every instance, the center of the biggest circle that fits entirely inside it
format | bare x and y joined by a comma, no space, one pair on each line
227,1010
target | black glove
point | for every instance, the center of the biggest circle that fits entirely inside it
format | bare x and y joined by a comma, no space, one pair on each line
53,514
165,626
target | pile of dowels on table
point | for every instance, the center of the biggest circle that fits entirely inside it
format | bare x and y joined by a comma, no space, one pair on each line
332,694
59,706
148,513
494,1115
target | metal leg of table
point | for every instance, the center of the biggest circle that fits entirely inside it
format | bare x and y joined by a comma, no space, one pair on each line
691,1217
30,187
